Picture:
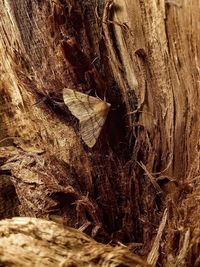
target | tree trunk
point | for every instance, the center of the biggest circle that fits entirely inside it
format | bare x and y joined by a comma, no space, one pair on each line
142,57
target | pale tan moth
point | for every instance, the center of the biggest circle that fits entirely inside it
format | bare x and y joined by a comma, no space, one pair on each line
90,111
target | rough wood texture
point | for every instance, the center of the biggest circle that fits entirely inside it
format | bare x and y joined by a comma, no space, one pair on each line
143,56
34,242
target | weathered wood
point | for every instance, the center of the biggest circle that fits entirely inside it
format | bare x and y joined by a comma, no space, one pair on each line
35,242
143,57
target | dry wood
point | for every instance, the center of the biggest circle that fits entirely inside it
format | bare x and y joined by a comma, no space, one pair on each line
35,242
143,56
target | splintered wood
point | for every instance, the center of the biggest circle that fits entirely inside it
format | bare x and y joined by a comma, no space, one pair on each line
29,242
90,111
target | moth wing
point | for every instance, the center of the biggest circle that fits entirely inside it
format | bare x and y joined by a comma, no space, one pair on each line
90,111
90,128
80,105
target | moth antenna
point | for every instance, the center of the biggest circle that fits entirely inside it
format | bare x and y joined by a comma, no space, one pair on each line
95,92
97,95
88,91
104,96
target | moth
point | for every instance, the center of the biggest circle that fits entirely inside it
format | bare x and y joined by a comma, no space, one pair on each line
90,111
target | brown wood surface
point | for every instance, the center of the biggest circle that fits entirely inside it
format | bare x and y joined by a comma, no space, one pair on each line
143,58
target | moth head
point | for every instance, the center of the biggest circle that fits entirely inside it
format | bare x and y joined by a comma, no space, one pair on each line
90,111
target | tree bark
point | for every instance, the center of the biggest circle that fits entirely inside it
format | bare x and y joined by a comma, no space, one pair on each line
143,57
35,242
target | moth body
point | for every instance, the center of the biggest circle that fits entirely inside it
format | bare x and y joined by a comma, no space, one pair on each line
90,111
